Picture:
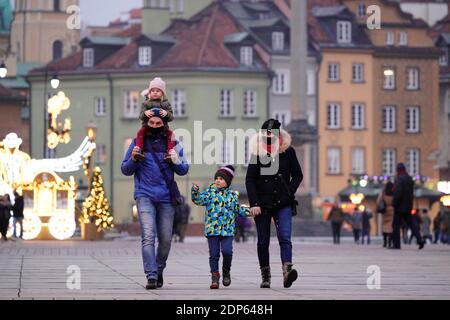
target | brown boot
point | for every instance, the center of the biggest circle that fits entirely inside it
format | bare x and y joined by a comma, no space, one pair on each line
215,277
289,274
265,275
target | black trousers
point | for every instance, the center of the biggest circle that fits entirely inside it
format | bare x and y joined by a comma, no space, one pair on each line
336,228
4,227
407,218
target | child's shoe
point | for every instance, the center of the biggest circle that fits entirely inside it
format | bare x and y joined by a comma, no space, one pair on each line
215,277
226,280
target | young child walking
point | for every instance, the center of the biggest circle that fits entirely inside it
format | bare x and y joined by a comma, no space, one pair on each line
222,207
155,103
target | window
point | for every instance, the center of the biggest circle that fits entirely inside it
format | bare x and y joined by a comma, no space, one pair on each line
403,41
388,162
227,151
247,56
358,161
145,56
389,79
443,59
358,72
56,5
413,79
361,10
180,6
57,50
179,102
247,151
249,103
226,103
283,116
162,3
101,153
390,38
100,107
131,105
126,145
412,120
152,3
344,32
334,161
88,57
413,161
333,116
389,120
311,82
333,71
281,82
357,116
278,41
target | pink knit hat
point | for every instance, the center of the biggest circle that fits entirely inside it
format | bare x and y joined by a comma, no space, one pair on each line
156,83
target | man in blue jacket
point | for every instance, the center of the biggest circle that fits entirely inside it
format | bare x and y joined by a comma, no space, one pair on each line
153,198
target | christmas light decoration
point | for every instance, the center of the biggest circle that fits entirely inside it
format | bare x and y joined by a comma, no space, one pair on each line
96,208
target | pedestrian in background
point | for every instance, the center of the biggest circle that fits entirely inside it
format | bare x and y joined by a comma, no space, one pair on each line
5,215
426,226
403,205
437,227
416,220
387,217
336,217
181,220
357,224
18,214
445,229
366,216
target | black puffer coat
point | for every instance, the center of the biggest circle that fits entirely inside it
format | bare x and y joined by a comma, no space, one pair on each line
269,191
403,194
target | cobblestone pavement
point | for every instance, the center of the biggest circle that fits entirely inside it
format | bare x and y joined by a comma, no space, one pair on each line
113,270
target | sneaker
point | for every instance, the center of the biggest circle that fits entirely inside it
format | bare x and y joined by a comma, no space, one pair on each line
151,284
421,245
160,281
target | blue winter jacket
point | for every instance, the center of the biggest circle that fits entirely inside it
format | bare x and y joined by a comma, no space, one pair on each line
148,180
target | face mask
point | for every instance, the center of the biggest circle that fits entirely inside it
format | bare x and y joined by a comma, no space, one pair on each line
156,131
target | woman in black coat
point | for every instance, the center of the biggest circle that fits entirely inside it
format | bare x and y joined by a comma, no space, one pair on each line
273,177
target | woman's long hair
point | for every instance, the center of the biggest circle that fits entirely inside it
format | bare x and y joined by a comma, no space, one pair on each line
389,189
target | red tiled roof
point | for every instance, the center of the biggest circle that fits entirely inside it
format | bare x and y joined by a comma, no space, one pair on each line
201,44
132,32
122,59
136,13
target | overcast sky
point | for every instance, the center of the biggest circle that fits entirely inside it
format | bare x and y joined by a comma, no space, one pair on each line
101,12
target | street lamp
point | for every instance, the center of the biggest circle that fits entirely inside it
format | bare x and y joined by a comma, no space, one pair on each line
356,198
3,70
91,129
55,82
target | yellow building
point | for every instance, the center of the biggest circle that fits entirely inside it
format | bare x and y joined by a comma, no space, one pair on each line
378,94
39,32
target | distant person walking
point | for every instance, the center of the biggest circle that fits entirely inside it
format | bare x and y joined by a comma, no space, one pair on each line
403,205
5,215
388,215
336,217
426,226
357,220
366,216
437,227
18,214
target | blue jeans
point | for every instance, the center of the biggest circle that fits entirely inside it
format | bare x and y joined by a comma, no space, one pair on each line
283,224
156,220
216,244
365,233
20,222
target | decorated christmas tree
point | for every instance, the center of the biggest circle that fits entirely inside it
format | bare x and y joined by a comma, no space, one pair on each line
95,207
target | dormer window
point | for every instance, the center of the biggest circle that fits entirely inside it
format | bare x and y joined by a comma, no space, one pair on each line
443,59
344,32
278,41
247,56
88,57
145,56
390,38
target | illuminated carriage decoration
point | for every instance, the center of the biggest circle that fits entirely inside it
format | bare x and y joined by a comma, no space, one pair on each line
49,201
